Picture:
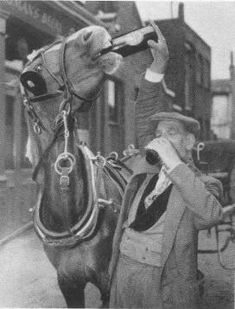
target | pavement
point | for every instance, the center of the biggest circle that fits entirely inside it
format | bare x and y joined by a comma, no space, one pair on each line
28,280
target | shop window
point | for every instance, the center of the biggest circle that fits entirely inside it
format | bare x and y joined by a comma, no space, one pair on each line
112,101
9,133
24,162
22,39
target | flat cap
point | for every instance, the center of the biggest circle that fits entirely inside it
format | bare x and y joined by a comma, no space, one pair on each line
190,124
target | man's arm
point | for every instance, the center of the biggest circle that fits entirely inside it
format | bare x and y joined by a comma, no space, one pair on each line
201,196
151,97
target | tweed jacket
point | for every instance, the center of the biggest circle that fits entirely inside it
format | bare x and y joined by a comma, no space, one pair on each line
192,205
152,98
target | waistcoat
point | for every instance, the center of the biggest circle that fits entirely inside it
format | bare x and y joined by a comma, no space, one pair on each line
142,239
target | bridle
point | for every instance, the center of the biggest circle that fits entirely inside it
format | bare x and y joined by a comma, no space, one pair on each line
65,161
64,119
29,80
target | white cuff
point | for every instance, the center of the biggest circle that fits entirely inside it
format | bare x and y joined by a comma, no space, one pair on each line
153,76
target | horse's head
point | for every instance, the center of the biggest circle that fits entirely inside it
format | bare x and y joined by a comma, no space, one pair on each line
57,81
75,62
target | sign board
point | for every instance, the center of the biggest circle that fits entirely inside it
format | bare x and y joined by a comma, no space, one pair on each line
36,13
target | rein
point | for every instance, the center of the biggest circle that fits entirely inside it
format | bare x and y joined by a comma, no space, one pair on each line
65,113
65,86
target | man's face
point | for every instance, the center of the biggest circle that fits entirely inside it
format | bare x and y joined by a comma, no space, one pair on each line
174,131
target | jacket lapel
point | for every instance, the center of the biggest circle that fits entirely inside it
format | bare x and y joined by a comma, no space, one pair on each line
175,210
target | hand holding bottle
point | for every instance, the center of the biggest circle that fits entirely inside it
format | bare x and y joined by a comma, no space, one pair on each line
166,152
159,51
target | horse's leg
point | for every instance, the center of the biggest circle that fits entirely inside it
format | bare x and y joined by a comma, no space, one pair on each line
102,284
101,281
73,292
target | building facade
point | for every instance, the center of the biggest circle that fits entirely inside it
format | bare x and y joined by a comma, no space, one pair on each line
188,71
223,105
113,115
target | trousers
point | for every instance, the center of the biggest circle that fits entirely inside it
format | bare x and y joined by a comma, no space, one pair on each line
135,285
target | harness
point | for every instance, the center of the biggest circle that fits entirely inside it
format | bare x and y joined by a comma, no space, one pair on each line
65,163
86,228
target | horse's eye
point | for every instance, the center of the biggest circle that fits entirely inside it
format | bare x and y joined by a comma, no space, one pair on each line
38,68
87,35
34,82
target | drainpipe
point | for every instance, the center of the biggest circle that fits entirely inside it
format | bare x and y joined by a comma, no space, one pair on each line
232,87
3,17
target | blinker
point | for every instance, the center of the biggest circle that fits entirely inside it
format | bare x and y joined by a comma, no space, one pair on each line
34,82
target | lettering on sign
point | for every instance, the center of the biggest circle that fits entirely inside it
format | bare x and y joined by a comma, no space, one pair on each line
27,8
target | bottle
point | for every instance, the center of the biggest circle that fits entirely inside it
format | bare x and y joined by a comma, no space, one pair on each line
131,42
152,156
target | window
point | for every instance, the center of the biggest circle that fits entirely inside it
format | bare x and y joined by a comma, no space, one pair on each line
137,89
112,116
207,74
9,140
189,80
24,162
112,101
199,70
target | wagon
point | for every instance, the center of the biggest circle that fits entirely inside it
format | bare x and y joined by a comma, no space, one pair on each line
217,159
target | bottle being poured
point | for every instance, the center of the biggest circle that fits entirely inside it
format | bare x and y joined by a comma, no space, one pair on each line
132,42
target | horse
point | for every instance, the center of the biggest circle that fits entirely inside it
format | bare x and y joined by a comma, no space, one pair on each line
79,194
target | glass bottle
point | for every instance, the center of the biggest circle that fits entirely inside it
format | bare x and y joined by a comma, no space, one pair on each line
132,42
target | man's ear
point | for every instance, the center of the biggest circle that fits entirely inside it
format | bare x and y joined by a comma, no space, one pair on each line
190,141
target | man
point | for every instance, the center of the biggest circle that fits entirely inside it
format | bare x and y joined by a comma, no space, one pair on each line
154,262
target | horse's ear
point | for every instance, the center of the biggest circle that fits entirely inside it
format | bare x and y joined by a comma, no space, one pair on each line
33,82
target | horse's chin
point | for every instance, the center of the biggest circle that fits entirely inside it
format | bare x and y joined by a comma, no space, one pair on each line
110,62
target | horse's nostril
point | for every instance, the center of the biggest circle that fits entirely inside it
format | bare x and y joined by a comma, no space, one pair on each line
87,36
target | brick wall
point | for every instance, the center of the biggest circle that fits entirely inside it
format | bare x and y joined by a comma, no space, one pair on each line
129,73
178,35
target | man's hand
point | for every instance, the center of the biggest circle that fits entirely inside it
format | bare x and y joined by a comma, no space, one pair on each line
159,51
166,152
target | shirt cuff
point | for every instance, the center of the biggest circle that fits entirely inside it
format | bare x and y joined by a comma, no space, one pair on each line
167,171
153,76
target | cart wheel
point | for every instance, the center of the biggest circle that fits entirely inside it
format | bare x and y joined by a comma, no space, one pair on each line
232,185
201,279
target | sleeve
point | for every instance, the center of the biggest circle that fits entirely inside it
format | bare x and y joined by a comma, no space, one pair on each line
153,76
150,100
200,196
